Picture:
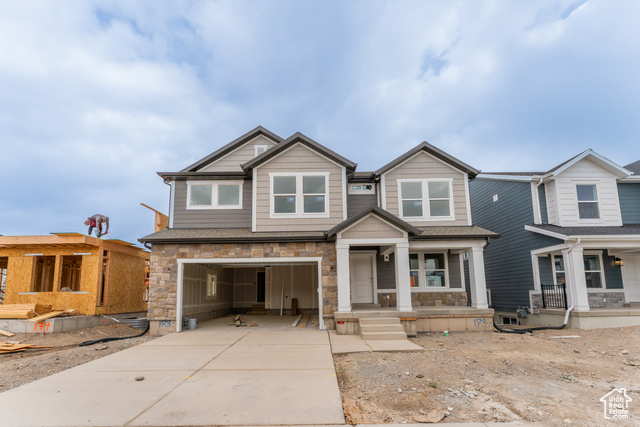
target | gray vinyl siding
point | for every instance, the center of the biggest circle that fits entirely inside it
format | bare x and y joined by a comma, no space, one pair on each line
629,195
612,274
508,267
542,197
546,270
455,281
386,272
358,202
211,218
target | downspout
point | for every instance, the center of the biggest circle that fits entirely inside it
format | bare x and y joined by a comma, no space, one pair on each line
541,328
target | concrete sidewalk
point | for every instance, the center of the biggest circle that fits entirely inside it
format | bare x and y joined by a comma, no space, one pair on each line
211,376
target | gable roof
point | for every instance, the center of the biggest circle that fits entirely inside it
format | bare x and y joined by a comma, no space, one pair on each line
380,213
588,154
634,167
435,152
291,141
595,158
258,131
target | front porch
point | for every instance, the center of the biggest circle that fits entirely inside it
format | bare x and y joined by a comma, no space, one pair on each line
421,319
595,318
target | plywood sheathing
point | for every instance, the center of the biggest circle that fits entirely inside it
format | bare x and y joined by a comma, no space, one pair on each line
20,269
126,284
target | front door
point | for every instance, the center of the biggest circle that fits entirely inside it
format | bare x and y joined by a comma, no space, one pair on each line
362,279
631,278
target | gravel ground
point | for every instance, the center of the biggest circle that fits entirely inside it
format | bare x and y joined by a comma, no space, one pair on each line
17,369
494,377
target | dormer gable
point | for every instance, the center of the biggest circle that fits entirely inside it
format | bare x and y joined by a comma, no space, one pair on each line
583,191
239,151
427,187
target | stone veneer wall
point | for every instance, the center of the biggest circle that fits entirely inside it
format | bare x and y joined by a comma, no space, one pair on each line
163,278
427,299
613,299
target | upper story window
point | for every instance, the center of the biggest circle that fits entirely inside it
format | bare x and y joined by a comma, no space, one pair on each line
426,199
259,149
302,194
361,189
214,195
588,201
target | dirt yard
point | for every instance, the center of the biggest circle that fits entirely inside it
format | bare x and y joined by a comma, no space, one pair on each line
496,377
17,369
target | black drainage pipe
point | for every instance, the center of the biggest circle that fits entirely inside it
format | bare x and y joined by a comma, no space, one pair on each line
86,343
526,330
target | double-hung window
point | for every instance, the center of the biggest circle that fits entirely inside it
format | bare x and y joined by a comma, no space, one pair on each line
558,268
428,270
214,195
426,199
593,270
588,201
303,194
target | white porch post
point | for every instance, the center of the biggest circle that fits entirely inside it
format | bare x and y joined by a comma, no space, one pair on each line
577,289
403,288
477,278
344,282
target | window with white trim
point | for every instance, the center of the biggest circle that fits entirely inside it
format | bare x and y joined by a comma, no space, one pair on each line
214,195
211,285
426,199
302,194
259,149
361,189
428,270
588,201
593,270
558,269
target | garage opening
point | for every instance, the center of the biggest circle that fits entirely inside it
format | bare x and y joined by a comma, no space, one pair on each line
212,289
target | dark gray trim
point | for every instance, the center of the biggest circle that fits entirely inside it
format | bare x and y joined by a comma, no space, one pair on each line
292,140
189,176
567,232
375,210
434,151
232,146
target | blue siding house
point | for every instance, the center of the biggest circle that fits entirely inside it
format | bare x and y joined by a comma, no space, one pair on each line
570,238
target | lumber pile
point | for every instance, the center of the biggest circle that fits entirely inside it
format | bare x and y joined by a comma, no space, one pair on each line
50,315
6,347
23,311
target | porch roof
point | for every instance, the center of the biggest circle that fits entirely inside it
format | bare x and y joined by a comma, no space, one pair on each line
379,212
229,235
576,232
455,232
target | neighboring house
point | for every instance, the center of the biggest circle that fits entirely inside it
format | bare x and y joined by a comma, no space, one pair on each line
71,270
268,221
577,225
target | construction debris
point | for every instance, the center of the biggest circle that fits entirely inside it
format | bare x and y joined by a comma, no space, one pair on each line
239,321
5,333
23,311
50,315
6,347
303,322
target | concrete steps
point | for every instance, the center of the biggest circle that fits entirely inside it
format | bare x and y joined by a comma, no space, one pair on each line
381,328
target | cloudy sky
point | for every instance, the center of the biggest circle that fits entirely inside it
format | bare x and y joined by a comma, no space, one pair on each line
97,96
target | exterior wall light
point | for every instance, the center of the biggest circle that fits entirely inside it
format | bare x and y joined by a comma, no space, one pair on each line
618,262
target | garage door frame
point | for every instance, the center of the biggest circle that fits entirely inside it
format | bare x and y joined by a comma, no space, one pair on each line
247,261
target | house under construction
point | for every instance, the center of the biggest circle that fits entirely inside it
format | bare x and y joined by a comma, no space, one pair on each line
72,270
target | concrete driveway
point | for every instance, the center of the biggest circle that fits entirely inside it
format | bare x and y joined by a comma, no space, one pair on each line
215,375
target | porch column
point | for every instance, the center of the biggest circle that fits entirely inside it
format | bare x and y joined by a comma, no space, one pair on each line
344,285
403,282
577,282
477,278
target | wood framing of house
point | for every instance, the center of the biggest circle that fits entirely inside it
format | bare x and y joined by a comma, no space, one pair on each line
71,270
